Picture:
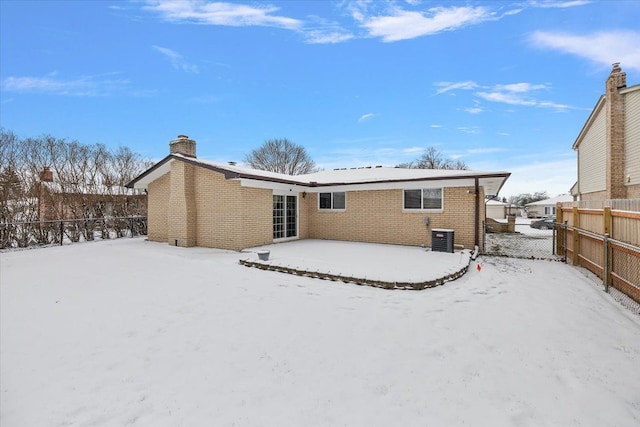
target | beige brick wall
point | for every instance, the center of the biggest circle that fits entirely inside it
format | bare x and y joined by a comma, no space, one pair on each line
199,207
305,204
182,212
158,206
377,216
633,191
230,216
225,215
596,195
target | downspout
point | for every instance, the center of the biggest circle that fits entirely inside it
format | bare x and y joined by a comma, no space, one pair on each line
477,208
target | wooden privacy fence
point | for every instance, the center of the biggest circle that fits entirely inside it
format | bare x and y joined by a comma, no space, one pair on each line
603,237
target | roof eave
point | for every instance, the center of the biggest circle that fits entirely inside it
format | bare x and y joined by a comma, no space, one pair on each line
589,121
231,174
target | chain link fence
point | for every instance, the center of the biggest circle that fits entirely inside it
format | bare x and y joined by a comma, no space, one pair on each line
614,262
525,242
40,233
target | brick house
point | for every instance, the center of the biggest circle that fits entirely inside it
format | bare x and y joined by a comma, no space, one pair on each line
56,200
547,207
192,202
608,146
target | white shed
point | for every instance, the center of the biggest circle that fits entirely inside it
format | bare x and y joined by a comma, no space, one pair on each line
495,209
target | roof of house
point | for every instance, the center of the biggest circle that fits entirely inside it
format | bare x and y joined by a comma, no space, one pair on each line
81,188
492,181
552,201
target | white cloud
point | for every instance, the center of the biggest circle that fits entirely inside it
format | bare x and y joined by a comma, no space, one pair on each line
520,87
515,98
603,48
366,117
475,130
474,110
222,13
512,94
322,37
177,61
403,24
558,4
449,86
80,86
316,31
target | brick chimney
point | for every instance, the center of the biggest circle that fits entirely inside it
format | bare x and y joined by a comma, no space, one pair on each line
183,145
617,80
46,175
181,230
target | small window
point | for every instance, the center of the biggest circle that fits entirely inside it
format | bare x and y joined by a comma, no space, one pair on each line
425,199
332,200
325,200
412,199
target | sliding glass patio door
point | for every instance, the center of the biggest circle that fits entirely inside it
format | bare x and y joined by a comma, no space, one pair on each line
285,217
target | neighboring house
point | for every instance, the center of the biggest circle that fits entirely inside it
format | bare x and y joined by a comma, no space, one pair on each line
192,202
496,209
56,200
547,207
608,146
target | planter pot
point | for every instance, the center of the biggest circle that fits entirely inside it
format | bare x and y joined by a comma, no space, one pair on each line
263,255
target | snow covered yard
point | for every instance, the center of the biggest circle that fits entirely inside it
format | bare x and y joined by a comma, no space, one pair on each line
130,332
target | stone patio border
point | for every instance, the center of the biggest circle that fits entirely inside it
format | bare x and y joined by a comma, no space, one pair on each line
361,281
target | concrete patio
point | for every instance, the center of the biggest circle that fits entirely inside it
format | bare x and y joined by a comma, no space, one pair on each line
379,265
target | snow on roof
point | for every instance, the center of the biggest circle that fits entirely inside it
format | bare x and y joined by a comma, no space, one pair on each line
81,188
558,199
323,178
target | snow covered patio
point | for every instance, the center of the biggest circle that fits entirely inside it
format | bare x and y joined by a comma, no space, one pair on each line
384,266
130,332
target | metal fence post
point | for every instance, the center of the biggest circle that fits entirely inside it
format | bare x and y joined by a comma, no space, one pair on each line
607,264
61,232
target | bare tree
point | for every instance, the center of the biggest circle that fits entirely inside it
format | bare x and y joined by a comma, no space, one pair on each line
523,199
433,159
282,156
88,183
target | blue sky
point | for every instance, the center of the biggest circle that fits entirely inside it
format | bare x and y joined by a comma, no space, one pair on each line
504,85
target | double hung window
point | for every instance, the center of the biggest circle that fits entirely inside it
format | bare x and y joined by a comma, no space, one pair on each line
336,200
424,199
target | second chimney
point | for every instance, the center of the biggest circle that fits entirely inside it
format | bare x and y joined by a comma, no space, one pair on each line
183,145
46,175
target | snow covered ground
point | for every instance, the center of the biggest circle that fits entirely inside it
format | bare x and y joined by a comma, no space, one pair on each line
134,333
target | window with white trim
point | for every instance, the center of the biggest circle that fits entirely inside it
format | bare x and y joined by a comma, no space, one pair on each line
424,199
333,201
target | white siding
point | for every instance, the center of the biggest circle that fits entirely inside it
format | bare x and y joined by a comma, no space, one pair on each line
592,155
632,137
495,211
